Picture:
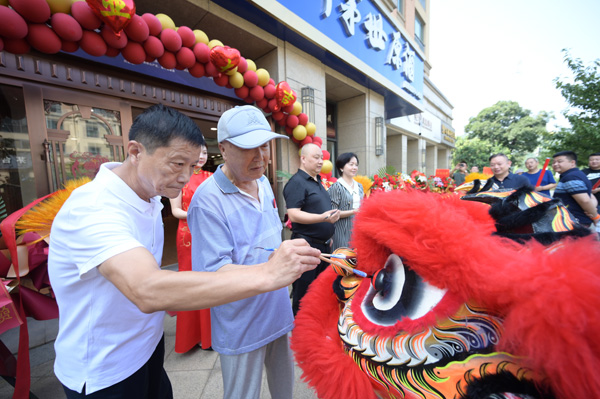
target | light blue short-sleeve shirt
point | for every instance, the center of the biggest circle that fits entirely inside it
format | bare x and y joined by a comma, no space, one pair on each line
227,225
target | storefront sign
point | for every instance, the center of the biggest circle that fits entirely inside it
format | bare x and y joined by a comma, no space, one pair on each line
359,27
448,135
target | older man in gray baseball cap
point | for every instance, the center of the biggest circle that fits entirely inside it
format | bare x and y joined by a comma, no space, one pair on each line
233,217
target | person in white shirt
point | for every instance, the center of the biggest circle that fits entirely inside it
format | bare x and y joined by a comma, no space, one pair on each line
106,244
346,195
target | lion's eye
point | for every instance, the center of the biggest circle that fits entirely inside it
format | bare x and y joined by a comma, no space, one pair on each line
396,292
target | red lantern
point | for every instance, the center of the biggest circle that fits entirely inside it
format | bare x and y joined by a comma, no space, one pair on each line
224,58
284,95
115,13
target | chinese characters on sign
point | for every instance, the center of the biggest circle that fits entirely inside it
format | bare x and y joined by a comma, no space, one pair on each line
399,56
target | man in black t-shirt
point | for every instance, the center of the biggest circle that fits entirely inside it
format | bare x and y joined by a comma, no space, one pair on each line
593,174
309,209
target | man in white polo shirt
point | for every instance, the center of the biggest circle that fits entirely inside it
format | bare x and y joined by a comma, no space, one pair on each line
104,263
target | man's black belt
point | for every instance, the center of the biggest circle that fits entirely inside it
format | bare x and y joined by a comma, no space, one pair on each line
311,239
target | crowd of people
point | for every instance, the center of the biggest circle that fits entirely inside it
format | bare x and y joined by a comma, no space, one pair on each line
106,246
577,189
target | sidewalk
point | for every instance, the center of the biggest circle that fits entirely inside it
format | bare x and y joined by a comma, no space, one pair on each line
194,375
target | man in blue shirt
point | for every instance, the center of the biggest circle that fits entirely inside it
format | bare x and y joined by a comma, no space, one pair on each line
233,218
574,189
503,178
593,174
533,174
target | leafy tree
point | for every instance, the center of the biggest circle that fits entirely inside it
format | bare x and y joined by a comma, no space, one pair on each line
583,95
508,126
475,151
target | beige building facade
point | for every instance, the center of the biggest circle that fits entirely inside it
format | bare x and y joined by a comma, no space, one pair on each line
359,67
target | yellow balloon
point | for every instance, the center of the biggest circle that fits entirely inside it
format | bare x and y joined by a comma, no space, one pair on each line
300,152
299,132
63,6
297,109
165,21
251,65
327,167
311,128
231,72
236,80
215,42
201,37
263,76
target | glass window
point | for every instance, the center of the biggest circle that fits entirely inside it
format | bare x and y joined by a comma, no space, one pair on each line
401,7
420,31
423,2
17,183
86,147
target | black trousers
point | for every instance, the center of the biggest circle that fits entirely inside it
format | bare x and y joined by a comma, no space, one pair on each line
300,286
149,382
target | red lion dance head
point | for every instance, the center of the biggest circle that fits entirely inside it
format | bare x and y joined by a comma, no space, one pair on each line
451,309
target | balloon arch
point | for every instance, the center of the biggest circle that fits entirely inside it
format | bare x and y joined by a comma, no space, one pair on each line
107,28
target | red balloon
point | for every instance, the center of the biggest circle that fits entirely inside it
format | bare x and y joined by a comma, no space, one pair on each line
168,60
187,36
211,70
257,93
249,100
43,39
202,52
270,91
154,25
250,78
224,58
134,53
302,119
242,92
111,38
66,27
171,40
221,80
154,47
242,65
13,25
317,140
112,52
307,140
36,11
273,105
92,43
284,95
288,108
85,16
271,82
292,121
277,115
69,47
326,155
116,13
197,70
282,121
16,46
289,131
137,30
185,57
262,103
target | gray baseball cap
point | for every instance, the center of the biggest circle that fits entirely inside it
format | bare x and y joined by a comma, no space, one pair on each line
245,127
